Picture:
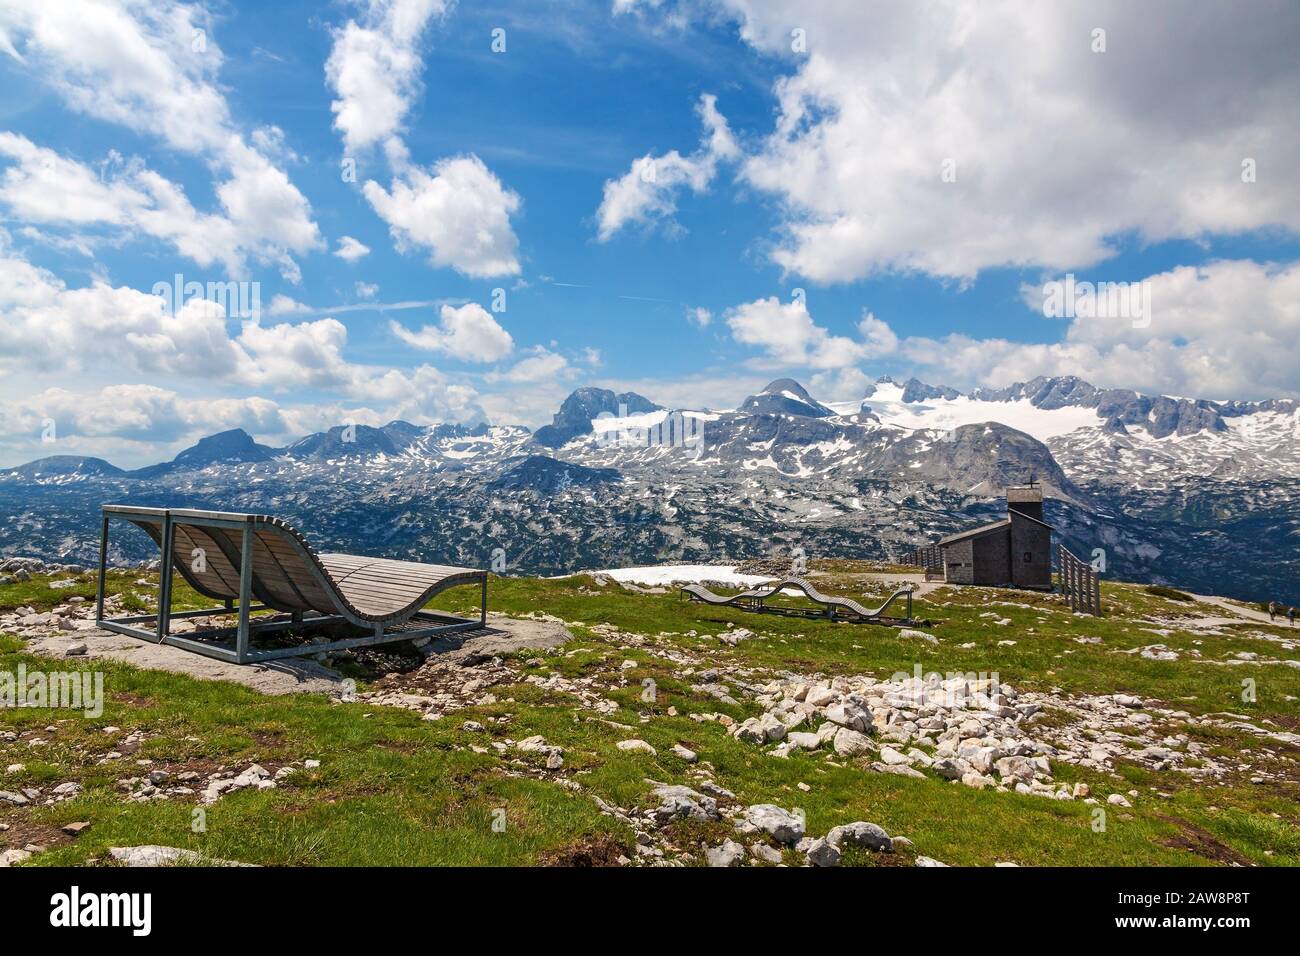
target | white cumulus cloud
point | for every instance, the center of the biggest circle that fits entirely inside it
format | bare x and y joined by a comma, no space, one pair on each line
38,185
282,304
1227,329
542,365
350,250
789,336
469,333
457,209
648,191
53,331
374,68
699,316
152,67
460,212
956,136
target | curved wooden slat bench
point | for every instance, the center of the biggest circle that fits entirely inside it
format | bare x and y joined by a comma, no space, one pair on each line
835,608
239,559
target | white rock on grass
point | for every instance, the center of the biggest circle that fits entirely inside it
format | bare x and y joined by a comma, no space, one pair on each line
781,825
677,802
978,731
929,861
950,768
730,853
535,744
757,730
821,696
636,745
769,854
823,853
920,756
912,632
255,776
850,715
891,756
154,855
1015,768
685,753
899,769
861,833
850,743
774,729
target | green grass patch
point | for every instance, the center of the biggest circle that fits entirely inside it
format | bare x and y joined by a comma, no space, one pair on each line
393,789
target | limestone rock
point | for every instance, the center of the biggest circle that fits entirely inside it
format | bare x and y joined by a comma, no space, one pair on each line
781,825
851,716
677,802
823,853
768,854
861,833
913,633
730,853
154,855
891,756
850,743
636,745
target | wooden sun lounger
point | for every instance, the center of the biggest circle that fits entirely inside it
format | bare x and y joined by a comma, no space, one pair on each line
834,608
255,562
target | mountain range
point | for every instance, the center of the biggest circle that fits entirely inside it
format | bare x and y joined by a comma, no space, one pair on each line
1198,493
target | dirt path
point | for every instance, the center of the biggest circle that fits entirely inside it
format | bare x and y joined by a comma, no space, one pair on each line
1241,612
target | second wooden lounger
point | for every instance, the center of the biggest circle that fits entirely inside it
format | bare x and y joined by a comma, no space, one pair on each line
834,608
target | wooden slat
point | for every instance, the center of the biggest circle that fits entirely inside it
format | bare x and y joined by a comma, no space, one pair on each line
219,574
379,578
391,586
285,568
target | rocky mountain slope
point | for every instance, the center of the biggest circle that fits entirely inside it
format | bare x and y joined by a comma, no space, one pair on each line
1198,493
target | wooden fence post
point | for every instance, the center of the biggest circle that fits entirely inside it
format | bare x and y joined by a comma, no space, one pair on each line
1080,583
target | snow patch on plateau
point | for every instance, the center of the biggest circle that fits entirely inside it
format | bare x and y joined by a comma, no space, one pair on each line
683,574
946,414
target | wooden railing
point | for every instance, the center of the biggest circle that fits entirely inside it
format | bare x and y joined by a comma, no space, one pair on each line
929,558
1080,583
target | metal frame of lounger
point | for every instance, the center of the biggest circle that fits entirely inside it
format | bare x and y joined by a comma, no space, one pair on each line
755,600
405,623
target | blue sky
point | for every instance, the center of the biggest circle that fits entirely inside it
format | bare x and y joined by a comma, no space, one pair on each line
917,172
